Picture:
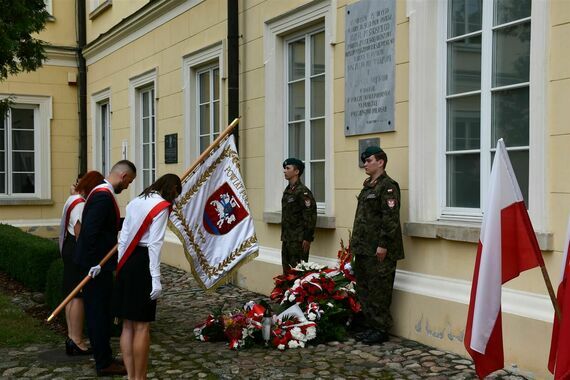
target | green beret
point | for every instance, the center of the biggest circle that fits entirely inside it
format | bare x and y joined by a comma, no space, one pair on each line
296,163
370,151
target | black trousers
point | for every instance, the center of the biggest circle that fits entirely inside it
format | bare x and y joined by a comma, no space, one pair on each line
97,296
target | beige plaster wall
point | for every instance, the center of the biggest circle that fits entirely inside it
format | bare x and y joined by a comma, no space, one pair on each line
109,17
61,30
51,81
162,49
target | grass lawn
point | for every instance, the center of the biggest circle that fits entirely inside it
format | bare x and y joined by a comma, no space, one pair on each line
18,329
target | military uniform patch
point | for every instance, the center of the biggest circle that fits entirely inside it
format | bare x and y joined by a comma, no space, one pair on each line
391,202
307,202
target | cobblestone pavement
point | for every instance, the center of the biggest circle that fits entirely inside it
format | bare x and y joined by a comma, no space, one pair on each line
176,355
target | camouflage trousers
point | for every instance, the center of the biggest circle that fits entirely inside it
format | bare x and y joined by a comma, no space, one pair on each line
374,284
292,254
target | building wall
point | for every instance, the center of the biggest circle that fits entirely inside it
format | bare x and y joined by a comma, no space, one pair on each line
50,81
55,80
61,30
101,20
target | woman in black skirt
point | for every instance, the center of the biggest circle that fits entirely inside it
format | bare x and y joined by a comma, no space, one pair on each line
69,231
138,270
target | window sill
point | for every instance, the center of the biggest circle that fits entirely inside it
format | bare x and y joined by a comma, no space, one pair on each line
323,221
100,9
25,202
462,231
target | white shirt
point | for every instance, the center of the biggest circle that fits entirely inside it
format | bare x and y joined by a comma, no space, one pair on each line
76,213
153,237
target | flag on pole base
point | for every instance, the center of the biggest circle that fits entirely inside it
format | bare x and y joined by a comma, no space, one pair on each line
507,247
559,359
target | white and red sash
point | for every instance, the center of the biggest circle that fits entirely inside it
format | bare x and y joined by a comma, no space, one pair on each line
142,218
106,186
67,208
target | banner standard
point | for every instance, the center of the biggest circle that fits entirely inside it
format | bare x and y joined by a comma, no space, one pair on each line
212,217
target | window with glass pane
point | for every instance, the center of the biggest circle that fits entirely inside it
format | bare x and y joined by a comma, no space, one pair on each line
306,107
208,97
148,137
17,156
487,97
104,127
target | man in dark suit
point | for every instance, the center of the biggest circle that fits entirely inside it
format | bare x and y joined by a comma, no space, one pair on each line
99,228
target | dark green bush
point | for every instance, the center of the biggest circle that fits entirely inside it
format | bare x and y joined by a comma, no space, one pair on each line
54,294
26,257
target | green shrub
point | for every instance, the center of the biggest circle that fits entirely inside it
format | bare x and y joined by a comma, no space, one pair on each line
26,257
54,292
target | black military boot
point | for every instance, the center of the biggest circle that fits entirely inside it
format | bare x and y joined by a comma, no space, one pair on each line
376,337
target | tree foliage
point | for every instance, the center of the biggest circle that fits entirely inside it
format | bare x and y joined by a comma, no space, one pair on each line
20,51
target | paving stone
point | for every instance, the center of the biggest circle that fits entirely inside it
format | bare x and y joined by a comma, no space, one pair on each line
174,354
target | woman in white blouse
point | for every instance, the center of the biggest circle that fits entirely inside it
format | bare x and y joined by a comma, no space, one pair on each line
138,271
69,231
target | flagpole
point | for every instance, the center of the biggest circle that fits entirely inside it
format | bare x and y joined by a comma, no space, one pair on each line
551,292
85,280
229,129
79,286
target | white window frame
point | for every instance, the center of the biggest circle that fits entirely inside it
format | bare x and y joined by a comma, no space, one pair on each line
101,153
192,64
276,33
210,69
42,147
307,175
49,6
96,7
137,86
427,128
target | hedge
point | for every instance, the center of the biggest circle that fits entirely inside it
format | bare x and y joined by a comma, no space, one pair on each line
54,292
26,257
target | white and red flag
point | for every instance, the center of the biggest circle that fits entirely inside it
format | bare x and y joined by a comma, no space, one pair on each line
507,247
212,217
559,360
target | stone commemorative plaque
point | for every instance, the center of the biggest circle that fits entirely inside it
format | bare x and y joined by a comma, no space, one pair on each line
370,67
171,148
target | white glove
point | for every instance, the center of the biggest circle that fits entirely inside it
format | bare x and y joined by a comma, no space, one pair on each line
94,271
156,288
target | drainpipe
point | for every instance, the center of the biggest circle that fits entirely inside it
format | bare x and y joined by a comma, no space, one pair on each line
233,65
82,84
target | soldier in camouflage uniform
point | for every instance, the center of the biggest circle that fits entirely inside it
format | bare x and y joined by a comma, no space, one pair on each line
298,216
377,245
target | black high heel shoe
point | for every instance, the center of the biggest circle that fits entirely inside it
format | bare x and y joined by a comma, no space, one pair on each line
73,349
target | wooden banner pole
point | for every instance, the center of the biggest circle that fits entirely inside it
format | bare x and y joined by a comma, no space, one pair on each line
86,279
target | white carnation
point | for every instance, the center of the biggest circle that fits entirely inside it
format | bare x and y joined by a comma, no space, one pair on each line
311,333
281,347
296,333
293,343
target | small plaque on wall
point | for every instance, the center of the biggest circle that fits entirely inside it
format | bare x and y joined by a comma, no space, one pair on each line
171,148
363,144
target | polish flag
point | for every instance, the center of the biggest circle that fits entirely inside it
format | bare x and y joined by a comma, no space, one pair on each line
507,247
559,360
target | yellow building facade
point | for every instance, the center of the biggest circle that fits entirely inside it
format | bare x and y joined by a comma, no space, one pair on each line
159,70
